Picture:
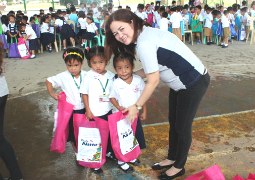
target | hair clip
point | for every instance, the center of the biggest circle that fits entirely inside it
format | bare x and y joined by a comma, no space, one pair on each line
65,54
87,48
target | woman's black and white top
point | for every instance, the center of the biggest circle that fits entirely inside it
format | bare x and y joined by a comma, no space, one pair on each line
4,88
92,87
60,22
67,83
162,51
127,94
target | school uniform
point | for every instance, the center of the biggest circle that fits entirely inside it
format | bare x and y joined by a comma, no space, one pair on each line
208,25
5,29
163,24
225,25
98,96
95,10
33,41
176,19
91,30
84,10
127,95
66,29
83,30
74,18
142,15
71,86
46,37
157,17
200,18
13,30
246,18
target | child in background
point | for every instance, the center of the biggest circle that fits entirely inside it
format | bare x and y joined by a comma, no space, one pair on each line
50,10
83,8
91,29
192,12
94,8
200,17
46,37
164,22
73,17
30,34
245,20
226,30
176,19
141,14
32,20
110,10
157,16
82,21
96,88
119,7
24,20
152,6
70,82
106,17
221,9
126,90
208,26
173,4
5,22
12,31
66,30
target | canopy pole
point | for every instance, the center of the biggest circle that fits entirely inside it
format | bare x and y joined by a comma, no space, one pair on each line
25,7
52,2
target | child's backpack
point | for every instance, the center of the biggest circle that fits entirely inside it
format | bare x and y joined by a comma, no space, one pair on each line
150,18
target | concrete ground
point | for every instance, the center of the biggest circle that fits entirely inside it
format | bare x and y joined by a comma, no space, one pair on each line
223,132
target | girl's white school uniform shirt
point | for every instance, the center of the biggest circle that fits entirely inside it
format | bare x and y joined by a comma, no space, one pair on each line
176,19
29,31
44,27
60,22
4,87
91,27
92,87
82,22
127,94
5,28
142,15
66,81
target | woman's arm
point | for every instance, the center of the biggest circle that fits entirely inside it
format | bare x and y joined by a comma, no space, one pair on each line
153,81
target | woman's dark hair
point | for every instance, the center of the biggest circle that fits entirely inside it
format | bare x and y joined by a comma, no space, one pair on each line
5,20
74,55
114,46
95,51
1,57
123,56
81,14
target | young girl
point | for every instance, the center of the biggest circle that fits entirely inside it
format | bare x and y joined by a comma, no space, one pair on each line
12,31
30,34
66,30
4,20
91,29
95,88
82,21
126,90
70,82
46,37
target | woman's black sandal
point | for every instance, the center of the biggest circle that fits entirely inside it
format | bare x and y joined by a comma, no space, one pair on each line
129,170
136,163
156,166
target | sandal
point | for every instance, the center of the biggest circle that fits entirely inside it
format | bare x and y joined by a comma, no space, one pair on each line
99,171
129,170
136,163
156,166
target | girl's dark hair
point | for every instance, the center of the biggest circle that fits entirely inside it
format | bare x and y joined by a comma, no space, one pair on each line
95,51
1,57
113,46
68,11
11,16
19,25
32,19
123,56
81,14
4,20
44,18
75,56
24,18
91,18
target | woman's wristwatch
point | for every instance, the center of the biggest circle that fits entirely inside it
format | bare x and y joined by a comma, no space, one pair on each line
138,107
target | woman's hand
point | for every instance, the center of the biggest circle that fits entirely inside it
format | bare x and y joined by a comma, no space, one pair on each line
89,115
143,116
56,96
132,113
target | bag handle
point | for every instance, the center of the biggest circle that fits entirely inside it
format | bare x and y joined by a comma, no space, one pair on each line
15,40
1,29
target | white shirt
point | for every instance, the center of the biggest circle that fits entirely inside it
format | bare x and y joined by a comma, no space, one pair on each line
92,87
30,31
157,17
163,24
91,27
176,19
127,94
5,28
142,15
67,84
82,22
246,18
59,22
208,21
66,17
231,17
225,22
83,9
45,27
95,10
4,87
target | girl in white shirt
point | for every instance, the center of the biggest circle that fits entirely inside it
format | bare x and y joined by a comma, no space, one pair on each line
95,89
46,37
5,22
82,21
126,90
30,34
70,82
91,29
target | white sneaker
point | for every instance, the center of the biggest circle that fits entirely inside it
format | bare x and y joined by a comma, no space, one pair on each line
32,57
